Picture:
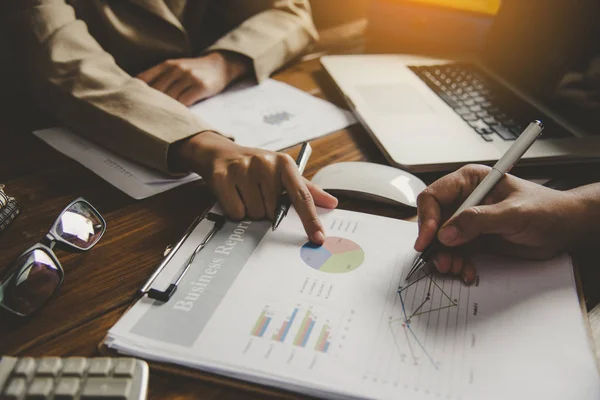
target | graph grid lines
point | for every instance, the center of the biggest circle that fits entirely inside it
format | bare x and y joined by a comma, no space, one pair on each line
419,310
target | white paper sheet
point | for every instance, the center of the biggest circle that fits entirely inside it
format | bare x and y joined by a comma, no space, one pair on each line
133,179
271,116
332,321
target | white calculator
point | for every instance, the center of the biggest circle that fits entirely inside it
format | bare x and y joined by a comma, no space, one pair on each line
70,378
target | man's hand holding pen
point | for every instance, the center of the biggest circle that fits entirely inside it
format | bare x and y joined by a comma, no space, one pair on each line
469,199
517,218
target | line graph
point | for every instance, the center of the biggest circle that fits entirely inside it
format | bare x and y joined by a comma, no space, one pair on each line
420,309
425,323
420,337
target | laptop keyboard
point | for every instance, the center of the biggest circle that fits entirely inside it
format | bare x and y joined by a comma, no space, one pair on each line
489,108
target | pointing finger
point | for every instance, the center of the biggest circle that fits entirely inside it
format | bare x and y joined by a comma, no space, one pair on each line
321,197
302,200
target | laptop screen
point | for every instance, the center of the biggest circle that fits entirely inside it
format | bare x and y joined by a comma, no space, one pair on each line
533,43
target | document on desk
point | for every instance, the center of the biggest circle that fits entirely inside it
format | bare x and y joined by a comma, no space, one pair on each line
131,178
339,321
272,116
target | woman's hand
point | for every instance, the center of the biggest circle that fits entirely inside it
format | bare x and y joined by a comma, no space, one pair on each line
517,218
249,182
189,80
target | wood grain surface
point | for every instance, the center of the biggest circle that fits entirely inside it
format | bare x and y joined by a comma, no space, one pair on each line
100,284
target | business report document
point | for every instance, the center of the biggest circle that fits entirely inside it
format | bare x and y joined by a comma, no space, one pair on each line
340,321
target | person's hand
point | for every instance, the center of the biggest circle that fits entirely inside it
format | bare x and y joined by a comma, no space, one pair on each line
189,80
249,182
517,218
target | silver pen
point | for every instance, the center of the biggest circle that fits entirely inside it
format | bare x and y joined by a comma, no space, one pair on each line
503,166
284,205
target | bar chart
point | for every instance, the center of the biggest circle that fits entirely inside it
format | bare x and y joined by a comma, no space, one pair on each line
306,328
323,341
262,323
298,326
285,327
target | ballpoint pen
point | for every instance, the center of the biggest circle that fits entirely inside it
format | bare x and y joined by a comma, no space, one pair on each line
284,205
503,166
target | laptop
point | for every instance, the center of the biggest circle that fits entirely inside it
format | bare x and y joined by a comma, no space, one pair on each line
429,114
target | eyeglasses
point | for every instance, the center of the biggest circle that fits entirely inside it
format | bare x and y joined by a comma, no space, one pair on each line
36,275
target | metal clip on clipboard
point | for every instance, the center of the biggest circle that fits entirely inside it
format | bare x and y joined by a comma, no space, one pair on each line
165,295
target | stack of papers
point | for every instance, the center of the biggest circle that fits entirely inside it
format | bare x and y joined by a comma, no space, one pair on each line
272,116
341,321
134,179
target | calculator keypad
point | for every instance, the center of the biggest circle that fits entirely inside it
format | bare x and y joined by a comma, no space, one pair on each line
100,367
67,388
74,366
49,366
25,367
72,378
16,388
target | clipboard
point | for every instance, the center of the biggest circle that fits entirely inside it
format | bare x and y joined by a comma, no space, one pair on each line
173,369
225,381
254,388
165,295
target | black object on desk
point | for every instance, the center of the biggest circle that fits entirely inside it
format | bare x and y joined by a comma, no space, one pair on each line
9,209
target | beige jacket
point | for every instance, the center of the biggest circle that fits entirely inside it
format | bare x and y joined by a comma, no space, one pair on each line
80,56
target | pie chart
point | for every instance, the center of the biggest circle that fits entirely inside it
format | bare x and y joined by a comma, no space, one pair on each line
337,255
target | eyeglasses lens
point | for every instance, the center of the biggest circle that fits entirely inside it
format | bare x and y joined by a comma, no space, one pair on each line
37,278
80,225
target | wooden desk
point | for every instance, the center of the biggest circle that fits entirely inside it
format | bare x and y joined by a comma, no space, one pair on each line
100,284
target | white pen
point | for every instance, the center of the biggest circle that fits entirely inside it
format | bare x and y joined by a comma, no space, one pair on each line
284,206
503,166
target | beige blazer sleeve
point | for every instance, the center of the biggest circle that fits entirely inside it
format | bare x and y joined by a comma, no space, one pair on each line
80,84
270,36
74,79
